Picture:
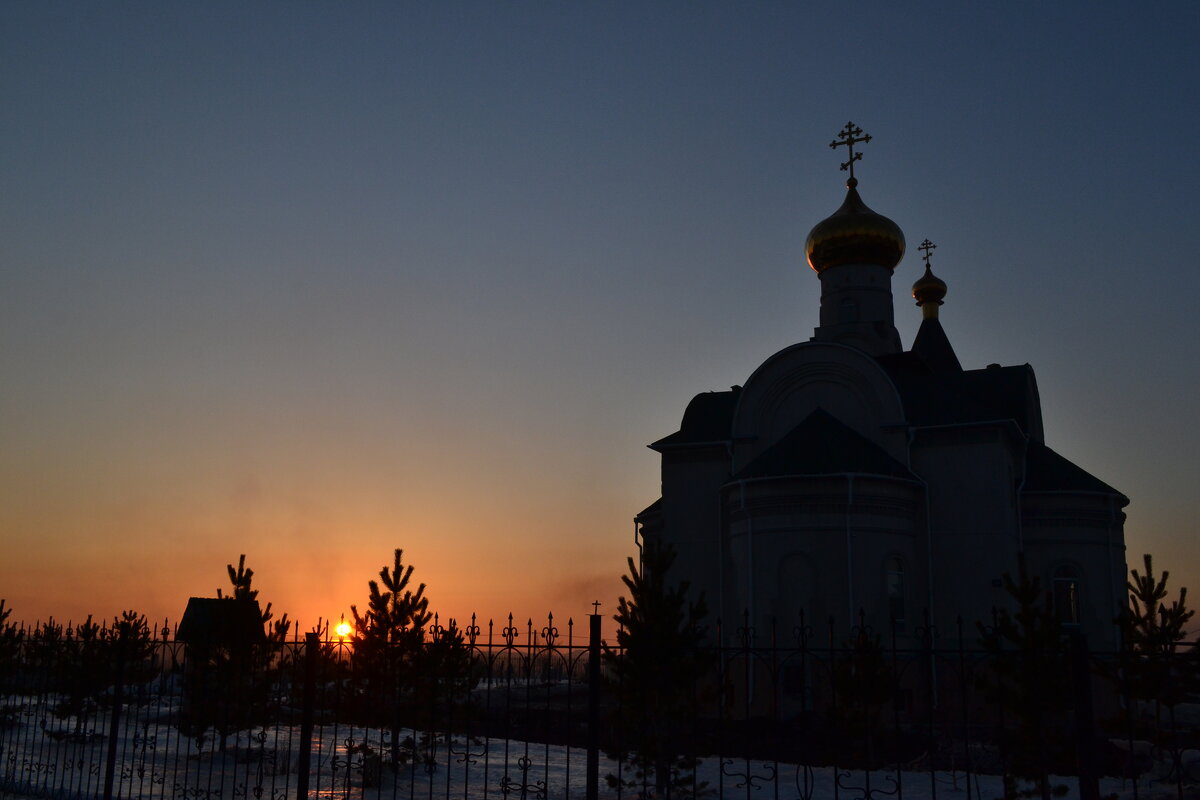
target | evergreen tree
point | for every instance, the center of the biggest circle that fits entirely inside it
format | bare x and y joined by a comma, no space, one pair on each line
242,579
864,681
83,670
389,638
1030,683
1151,626
397,615
1154,669
11,638
133,644
657,674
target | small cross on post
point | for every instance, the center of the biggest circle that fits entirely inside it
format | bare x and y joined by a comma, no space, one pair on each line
928,247
850,136
596,607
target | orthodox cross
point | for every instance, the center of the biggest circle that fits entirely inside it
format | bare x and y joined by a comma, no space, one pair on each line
928,247
850,136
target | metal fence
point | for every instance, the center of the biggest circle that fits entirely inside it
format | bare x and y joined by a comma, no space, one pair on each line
543,711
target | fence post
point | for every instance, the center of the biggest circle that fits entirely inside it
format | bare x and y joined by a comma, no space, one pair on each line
114,722
593,736
1085,722
312,648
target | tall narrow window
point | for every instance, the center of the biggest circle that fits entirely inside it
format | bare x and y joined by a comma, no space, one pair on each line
1066,595
894,585
847,311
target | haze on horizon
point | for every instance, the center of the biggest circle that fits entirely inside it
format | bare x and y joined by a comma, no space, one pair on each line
313,282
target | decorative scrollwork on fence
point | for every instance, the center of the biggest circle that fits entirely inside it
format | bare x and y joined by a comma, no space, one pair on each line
144,741
865,792
550,633
745,632
464,755
747,779
437,630
523,787
509,633
472,631
805,782
182,791
802,633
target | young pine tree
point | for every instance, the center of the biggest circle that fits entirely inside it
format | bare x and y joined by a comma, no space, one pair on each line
395,616
1155,672
242,579
656,675
389,639
10,645
1151,626
1030,683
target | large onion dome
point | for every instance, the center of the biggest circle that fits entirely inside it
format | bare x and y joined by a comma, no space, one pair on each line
854,234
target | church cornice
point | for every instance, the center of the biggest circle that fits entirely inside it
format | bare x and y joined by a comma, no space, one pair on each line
839,477
1035,493
663,446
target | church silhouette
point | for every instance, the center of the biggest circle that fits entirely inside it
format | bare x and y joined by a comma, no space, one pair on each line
849,476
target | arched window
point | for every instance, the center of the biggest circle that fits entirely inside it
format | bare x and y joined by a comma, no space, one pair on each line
1065,582
893,583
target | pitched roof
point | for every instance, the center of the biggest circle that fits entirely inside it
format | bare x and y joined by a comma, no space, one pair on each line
1047,471
653,508
823,445
945,398
212,621
932,345
708,418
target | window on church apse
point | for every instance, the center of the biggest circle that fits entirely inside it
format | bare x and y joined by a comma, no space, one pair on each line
893,577
1066,595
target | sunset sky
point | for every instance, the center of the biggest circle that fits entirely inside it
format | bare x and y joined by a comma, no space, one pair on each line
311,281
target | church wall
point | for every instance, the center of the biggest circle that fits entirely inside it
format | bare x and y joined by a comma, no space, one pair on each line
691,511
1079,536
972,474
824,544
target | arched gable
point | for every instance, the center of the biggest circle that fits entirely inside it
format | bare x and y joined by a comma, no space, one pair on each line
798,380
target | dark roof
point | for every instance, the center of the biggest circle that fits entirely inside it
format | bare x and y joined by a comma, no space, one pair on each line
653,508
220,620
823,445
933,346
1047,471
934,397
708,418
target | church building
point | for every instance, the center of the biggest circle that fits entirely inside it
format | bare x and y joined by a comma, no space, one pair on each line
849,475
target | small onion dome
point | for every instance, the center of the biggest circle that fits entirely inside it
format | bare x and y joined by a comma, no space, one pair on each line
929,288
854,234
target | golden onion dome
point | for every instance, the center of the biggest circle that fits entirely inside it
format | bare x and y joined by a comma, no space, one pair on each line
854,234
929,288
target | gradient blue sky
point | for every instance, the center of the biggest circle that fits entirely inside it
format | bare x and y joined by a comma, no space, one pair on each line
310,281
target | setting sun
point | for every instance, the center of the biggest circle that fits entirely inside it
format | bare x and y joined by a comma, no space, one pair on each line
343,629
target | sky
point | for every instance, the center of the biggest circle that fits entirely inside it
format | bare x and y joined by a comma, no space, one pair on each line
313,281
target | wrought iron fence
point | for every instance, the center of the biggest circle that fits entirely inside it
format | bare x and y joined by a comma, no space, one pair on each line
544,711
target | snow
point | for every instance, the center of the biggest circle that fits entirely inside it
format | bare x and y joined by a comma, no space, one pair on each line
154,762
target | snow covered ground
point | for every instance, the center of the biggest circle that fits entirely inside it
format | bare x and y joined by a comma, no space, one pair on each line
43,756
154,761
